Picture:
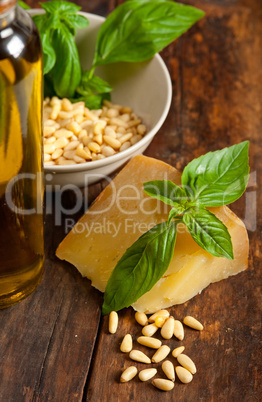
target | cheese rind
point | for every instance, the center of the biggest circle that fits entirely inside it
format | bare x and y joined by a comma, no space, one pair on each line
122,213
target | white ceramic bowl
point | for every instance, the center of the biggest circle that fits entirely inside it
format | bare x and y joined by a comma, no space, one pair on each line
145,87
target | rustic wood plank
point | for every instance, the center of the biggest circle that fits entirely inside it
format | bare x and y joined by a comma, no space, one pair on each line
217,101
217,86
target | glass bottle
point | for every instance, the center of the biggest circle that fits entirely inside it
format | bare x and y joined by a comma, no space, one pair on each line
21,180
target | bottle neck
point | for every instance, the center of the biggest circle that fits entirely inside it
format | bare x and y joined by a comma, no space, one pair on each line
7,12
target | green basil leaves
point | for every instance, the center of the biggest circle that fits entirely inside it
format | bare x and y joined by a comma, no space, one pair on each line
214,179
135,31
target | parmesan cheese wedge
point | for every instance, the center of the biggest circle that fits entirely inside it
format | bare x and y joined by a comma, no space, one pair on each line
122,213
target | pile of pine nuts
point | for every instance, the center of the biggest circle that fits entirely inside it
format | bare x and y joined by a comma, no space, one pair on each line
74,134
169,327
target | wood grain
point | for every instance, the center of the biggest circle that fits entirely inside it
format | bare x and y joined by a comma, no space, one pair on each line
55,346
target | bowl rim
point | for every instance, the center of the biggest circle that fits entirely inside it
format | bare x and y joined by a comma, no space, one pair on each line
85,166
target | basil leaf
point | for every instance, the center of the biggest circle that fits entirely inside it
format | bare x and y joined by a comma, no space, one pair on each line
166,191
63,7
93,84
209,232
49,55
140,267
174,212
136,30
76,21
66,73
217,178
92,101
23,5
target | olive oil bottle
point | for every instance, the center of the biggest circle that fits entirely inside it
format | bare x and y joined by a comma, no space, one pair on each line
21,181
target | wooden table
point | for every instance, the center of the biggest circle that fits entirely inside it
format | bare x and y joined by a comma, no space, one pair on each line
55,346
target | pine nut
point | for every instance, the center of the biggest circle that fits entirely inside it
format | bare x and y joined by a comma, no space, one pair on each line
72,145
184,375
149,330
113,322
113,142
69,154
159,321
163,385
147,374
119,122
47,157
89,114
121,130
125,146
126,109
159,313
49,148
65,115
179,330
94,147
167,330
169,370
135,139
125,138
149,342
186,362
141,318
141,129
112,112
74,127
48,131
57,154
128,374
110,132
127,344
161,354
49,163
134,123
125,117
83,153
66,104
61,142
63,133
108,151
78,159
98,138
50,140
178,350
56,109
193,323
139,356
99,127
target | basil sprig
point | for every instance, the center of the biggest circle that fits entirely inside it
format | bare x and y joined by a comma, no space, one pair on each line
214,179
135,31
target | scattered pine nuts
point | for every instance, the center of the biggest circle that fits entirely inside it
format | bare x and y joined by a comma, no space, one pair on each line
104,132
167,330
160,313
193,323
141,318
169,370
128,374
147,374
149,330
127,344
113,322
179,330
159,321
186,362
184,375
149,342
177,351
164,385
139,356
161,354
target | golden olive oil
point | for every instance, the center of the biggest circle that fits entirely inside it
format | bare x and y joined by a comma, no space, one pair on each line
21,184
